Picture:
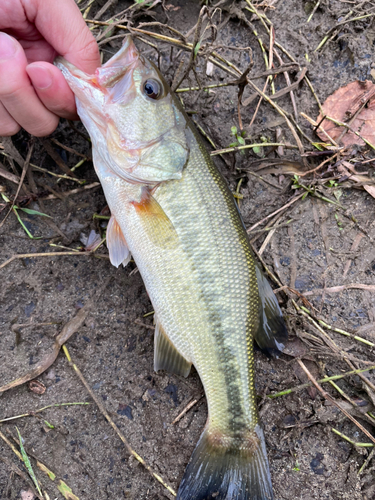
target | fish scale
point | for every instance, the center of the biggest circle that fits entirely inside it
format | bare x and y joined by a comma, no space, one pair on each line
225,280
171,208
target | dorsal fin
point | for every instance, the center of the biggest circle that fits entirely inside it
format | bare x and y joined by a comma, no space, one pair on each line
271,334
116,244
166,356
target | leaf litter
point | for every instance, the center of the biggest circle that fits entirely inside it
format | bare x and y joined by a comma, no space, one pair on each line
354,104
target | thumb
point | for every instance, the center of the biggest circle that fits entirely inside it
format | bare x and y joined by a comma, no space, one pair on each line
65,30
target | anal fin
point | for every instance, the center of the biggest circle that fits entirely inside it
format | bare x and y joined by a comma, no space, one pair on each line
271,334
117,247
166,356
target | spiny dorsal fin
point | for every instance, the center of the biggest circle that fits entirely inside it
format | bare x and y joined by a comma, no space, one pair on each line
271,334
116,244
166,356
155,221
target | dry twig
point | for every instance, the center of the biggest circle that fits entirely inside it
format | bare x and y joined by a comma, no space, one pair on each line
333,401
71,327
114,426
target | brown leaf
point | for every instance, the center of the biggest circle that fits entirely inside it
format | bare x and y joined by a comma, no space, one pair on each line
171,7
357,178
370,190
342,106
37,387
297,349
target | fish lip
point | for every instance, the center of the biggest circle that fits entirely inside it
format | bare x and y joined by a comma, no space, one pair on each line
94,91
65,66
120,63
108,74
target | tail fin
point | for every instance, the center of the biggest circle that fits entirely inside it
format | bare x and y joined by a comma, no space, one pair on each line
217,471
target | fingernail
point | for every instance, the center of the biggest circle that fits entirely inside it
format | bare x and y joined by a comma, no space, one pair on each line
40,76
8,46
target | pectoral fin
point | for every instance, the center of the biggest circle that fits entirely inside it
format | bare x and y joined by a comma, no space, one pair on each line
166,356
155,222
271,334
117,247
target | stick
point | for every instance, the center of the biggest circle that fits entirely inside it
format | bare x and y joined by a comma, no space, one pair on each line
333,401
46,254
293,200
186,409
70,327
114,426
321,381
24,170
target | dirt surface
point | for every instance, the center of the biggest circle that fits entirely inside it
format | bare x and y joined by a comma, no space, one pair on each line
113,347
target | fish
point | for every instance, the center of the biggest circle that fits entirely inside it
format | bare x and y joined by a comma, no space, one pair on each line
173,213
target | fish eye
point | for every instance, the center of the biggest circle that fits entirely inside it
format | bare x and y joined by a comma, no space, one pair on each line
152,89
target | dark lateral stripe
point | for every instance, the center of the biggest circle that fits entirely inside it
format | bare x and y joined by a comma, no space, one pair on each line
232,374
227,360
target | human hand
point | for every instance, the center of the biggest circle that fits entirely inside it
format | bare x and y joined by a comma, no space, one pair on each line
33,92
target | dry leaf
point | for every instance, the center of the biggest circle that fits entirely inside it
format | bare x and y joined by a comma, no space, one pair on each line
171,7
370,190
357,178
27,495
297,349
37,387
209,68
91,241
342,105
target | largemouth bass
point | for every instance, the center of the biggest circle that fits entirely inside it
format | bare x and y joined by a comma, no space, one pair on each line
173,212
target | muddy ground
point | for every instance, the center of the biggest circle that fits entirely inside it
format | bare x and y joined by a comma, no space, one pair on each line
114,346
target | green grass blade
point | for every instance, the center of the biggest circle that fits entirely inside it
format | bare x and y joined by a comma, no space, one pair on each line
33,212
28,464
50,426
24,227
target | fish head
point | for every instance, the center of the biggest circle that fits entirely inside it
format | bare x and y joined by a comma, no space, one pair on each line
137,131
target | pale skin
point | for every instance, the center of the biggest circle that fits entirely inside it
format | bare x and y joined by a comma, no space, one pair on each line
33,92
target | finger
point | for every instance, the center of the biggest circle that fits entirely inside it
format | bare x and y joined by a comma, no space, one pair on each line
17,94
8,126
52,89
37,50
66,31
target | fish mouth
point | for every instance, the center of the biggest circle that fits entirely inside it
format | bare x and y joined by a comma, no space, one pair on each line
111,104
106,76
110,84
